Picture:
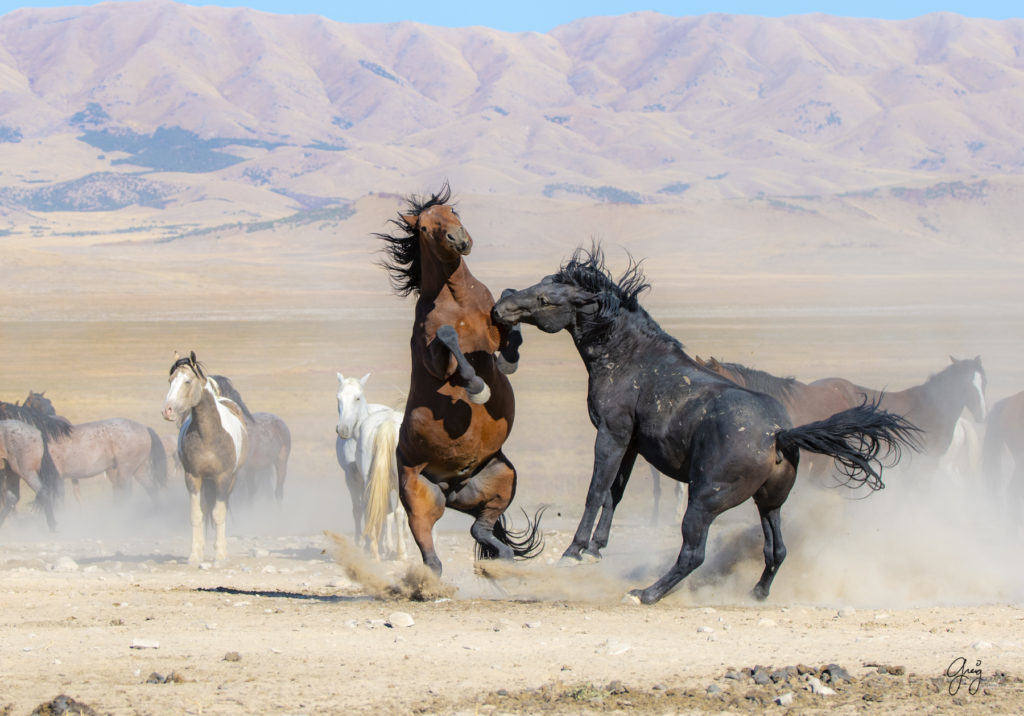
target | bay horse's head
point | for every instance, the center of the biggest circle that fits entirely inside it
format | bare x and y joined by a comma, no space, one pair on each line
351,404
428,232
187,381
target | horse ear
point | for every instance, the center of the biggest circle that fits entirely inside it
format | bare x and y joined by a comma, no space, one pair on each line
362,381
177,356
978,358
192,357
341,378
411,220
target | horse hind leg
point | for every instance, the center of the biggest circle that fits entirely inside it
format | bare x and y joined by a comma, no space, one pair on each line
774,549
424,503
696,523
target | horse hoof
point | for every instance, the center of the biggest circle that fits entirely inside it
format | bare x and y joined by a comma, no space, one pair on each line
631,599
590,557
569,562
507,367
481,397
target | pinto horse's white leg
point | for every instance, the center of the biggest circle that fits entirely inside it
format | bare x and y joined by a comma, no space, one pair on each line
196,512
220,514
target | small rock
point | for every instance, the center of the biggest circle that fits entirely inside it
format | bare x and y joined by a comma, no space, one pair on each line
705,630
766,623
617,687
881,616
847,612
785,699
232,656
259,552
836,673
760,676
779,675
399,620
734,675
64,564
145,644
269,569
714,689
981,645
155,678
614,647
818,688
532,625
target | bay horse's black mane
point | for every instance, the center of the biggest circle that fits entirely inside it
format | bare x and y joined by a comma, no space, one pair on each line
587,270
762,381
403,250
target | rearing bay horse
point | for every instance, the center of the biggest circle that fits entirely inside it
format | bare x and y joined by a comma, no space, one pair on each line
212,445
460,406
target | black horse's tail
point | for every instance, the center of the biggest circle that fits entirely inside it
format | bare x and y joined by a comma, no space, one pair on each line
525,543
157,459
861,440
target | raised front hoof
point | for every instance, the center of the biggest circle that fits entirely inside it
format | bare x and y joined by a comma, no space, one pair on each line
507,367
478,394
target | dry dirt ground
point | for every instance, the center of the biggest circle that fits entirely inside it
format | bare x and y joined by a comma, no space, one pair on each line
895,589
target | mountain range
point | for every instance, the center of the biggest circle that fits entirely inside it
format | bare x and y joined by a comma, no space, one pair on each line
157,112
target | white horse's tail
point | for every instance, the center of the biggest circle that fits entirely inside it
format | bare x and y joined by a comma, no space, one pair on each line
378,483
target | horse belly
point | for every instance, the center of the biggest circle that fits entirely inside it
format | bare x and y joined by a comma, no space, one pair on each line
425,440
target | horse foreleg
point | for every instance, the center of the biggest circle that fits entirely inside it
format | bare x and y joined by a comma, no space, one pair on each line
609,450
476,388
8,492
219,515
424,503
281,470
604,525
511,339
196,515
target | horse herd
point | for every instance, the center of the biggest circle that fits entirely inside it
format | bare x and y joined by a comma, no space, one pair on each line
730,433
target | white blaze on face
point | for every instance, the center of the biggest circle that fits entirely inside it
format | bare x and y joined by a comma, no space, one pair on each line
230,422
979,385
174,398
348,407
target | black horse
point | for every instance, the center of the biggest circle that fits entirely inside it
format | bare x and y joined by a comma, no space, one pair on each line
646,396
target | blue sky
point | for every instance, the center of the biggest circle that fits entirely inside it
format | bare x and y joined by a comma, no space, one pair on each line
528,15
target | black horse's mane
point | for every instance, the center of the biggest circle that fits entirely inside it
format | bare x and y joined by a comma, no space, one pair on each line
762,381
403,248
586,269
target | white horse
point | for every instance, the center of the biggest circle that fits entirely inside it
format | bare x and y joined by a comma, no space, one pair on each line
367,438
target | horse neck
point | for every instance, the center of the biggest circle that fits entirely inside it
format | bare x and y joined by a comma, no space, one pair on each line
617,342
205,414
437,278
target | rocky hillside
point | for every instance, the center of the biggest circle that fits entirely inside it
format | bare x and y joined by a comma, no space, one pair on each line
221,113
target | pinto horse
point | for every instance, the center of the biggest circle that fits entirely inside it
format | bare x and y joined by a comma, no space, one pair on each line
212,444
270,444
647,397
460,406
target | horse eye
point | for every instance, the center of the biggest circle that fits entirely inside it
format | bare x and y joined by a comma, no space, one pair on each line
543,300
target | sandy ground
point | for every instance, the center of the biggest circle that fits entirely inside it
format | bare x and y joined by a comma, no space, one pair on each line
894,588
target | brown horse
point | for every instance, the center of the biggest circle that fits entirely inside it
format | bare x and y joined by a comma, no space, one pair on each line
460,406
212,445
120,447
1005,429
805,402
933,406
270,445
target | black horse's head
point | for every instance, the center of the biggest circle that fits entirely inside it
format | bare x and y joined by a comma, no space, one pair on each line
582,294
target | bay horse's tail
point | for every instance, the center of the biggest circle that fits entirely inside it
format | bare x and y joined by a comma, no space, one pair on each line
157,459
861,440
525,543
383,470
